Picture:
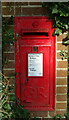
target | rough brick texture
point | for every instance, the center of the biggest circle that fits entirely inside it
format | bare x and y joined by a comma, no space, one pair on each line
61,89
61,97
61,73
61,81
8,10
61,47
62,64
61,105
36,9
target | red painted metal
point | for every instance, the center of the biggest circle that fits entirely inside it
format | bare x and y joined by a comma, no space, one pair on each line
35,92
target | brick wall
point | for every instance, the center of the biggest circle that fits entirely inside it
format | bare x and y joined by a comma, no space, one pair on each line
35,9
61,78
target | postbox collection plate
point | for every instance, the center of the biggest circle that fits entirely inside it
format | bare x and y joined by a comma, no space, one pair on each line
35,64
35,81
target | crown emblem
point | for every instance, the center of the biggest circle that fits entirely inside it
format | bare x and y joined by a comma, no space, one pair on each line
35,24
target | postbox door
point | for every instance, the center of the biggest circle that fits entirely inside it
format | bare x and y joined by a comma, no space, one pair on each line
34,86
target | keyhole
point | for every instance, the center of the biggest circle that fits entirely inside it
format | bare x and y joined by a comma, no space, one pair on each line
35,49
27,80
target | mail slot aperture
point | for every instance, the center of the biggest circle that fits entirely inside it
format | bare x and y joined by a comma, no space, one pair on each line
35,34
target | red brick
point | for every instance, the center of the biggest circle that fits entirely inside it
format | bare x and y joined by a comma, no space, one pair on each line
20,3
9,73
11,81
61,97
59,56
9,56
61,105
34,11
61,47
62,81
52,113
61,37
18,11
7,3
8,48
61,73
9,64
35,3
61,113
61,89
8,11
62,64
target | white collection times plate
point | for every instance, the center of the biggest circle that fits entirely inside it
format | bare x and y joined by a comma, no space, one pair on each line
35,64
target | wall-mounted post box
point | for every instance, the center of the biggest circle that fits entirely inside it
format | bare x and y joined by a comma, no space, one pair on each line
35,62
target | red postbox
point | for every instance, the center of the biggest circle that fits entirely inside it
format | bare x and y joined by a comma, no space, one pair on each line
35,62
